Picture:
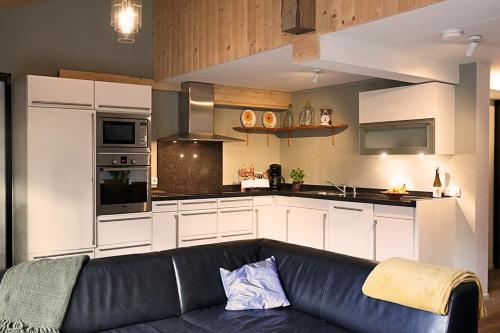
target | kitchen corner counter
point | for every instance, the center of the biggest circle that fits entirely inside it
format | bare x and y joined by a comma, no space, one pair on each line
371,196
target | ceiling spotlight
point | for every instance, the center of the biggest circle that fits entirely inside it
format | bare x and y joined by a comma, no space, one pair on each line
473,43
316,74
452,34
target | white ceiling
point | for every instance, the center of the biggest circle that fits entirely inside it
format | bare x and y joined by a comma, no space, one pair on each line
273,70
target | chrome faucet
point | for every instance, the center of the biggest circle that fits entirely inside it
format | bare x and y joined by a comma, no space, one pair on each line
343,188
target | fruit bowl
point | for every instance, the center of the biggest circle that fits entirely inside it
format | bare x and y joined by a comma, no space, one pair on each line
395,195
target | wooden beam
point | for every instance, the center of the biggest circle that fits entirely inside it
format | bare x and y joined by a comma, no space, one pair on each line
71,74
251,98
17,3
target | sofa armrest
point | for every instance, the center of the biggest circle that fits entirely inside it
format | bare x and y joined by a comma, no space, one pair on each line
463,309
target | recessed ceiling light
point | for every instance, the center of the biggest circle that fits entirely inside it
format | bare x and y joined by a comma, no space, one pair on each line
452,34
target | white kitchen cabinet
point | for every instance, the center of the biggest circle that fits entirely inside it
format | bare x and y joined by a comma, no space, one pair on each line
198,240
235,236
199,222
55,92
122,249
235,202
270,222
394,237
61,254
235,219
121,97
351,229
165,225
59,175
124,228
307,227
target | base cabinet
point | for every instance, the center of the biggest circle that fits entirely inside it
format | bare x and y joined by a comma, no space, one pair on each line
270,222
394,238
165,231
122,249
307,227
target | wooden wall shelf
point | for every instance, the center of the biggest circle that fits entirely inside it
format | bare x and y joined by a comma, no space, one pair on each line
306,131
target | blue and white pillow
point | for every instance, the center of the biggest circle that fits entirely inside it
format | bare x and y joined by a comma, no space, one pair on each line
254,286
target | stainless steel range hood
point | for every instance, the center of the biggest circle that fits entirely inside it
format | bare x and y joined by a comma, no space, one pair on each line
196,114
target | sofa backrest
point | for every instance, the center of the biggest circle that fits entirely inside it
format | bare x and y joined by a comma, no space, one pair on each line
197,271
121,291
328,285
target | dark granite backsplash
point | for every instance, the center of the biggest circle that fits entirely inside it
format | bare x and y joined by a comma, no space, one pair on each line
188,167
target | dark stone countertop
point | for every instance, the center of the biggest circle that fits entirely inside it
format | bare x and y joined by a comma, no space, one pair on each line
364,195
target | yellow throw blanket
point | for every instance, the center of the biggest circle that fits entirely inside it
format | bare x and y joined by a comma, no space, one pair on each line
417,285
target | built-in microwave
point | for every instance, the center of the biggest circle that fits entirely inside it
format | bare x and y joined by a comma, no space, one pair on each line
123,132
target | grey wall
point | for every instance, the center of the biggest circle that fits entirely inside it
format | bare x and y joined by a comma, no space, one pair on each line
71,34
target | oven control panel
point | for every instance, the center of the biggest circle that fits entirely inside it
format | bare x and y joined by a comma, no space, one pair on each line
123,159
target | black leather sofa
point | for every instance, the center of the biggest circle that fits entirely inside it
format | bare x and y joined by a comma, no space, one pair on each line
181,291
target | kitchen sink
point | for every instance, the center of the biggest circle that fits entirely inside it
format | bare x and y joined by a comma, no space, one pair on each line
337,194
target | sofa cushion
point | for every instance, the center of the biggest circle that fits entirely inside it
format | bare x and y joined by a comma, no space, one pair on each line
170,325
197,271
122,291
217,319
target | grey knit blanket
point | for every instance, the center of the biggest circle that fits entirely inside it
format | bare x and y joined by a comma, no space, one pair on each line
34,295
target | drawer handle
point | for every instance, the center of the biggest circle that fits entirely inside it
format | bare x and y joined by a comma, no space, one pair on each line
62,103
348,208
125,219
199,213
235,200
198,239
245,234
123,107
198,202
125,247
62,255
166,204
236,211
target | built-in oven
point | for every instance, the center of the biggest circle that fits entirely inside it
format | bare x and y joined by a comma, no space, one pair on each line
118,132
123,183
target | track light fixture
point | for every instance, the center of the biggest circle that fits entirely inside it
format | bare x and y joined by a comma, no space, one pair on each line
473,43
316,74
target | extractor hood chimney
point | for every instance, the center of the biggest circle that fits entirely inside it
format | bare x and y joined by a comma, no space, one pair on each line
196,114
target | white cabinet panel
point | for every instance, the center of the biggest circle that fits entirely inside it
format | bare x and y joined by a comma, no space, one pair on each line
164,231
394,238
60,179
165,206
198,204
307,227
61,254
270,222
124,228
235,202
197,240
235,236
394,211
122,249
235,219
44,91
351,230
111,96
200,222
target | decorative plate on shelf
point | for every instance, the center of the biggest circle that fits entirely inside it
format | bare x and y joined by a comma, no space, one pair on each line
248,118
269,119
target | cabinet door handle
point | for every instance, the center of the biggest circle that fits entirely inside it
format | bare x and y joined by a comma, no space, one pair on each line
88,105
125,247
236,211
198,213
94,189
235,200
348,208
324,231
198,239
375,239
108,106
125,219
235,235
198,202
62,255
286,225
165,204
176,217
256,223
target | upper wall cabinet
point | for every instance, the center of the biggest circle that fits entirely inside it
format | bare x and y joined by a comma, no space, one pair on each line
408,119
118,97
54,92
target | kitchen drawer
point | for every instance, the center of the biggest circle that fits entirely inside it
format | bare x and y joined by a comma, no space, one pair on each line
198,204
236,236
164,206
396,212
124,228
235,219
121,97
55,92
199,222
263,200
197,240
122,249
235,202
61,254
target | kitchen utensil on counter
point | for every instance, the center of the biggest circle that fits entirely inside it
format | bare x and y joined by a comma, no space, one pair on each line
275,177
248,118
269,119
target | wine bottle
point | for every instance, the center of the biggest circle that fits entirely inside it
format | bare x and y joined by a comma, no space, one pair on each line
436,186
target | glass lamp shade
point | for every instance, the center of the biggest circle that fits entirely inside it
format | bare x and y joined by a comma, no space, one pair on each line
126,19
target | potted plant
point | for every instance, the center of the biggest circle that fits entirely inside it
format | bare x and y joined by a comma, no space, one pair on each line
297,176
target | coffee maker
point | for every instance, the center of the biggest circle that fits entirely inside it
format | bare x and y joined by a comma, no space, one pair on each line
275,178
